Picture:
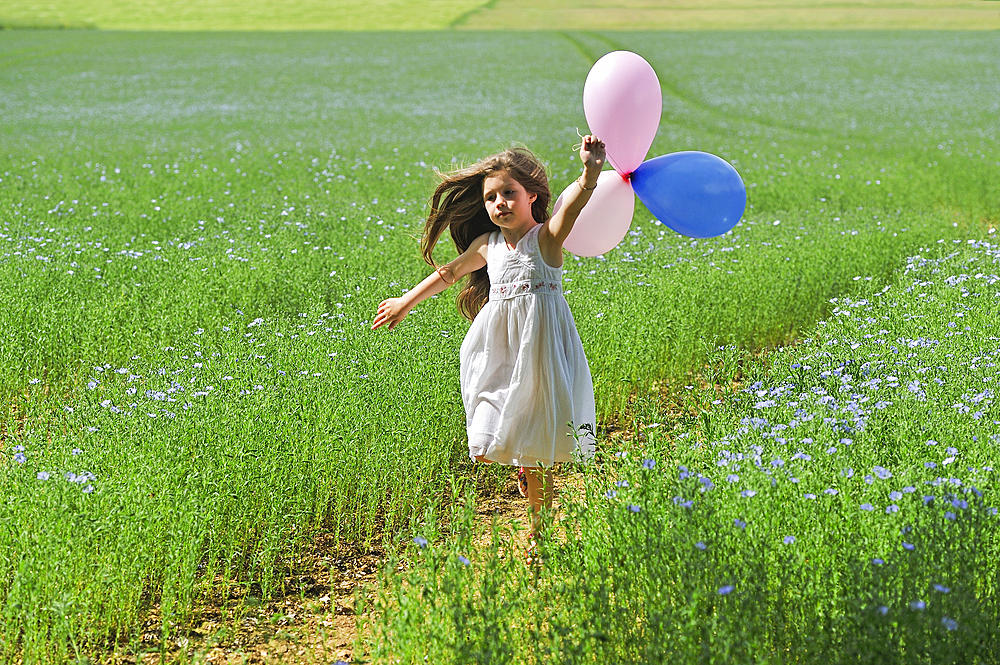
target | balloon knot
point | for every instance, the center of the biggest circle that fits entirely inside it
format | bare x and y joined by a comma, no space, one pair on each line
627,177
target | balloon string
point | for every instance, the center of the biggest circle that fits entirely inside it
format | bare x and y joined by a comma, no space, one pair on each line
610,159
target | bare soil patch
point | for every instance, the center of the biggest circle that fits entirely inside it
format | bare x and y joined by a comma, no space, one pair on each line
312,622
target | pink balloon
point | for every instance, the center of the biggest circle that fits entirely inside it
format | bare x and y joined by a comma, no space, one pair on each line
622,102
605,219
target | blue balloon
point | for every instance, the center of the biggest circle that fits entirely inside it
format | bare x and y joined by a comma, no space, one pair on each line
694,193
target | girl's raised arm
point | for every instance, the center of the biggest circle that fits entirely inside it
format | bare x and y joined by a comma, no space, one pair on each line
552,236
393,310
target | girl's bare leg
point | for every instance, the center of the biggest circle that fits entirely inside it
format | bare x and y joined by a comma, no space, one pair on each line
541,490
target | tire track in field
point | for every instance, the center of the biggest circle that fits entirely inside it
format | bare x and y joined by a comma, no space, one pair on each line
665,84
670,88
464,17
10,58
37,53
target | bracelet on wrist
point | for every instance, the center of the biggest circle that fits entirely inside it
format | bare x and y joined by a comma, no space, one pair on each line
579,181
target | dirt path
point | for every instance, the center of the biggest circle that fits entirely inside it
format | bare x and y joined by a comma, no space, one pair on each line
313,623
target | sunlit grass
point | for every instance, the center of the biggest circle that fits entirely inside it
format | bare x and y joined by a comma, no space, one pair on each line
844,510
738,15
213,15
503,15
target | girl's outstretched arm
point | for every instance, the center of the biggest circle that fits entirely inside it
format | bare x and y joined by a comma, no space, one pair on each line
393,310
554,233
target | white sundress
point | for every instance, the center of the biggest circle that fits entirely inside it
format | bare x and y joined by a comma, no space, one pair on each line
523,372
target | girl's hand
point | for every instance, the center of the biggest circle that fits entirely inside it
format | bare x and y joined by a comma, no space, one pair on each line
592,155
391,312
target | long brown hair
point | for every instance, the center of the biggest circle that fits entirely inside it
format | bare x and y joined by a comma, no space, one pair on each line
458,204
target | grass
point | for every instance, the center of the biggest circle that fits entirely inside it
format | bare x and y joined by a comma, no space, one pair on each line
842,511
739,15
225,15
503,14
197,228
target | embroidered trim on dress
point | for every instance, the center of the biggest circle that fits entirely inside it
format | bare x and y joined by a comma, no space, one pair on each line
524,287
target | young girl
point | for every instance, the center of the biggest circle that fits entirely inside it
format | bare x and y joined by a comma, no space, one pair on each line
524,377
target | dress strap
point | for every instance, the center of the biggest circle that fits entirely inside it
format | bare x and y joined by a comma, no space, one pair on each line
531,239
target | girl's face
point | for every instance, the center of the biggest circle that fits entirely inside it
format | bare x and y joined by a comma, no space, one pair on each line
507,201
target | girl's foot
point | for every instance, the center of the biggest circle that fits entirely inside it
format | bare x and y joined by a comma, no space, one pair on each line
522,482
532,556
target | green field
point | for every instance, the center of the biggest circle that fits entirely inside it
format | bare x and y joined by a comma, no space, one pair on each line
197,228
504,15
